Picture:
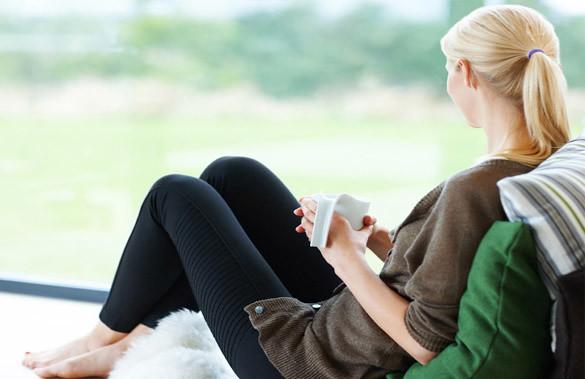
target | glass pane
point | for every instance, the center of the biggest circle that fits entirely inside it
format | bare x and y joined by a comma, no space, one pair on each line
98,100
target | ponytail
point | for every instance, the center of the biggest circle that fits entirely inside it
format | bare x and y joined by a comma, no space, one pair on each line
545,112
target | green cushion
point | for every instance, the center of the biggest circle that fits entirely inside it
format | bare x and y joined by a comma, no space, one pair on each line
503,316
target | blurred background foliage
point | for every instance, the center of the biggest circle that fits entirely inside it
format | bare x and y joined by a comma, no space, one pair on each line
286,52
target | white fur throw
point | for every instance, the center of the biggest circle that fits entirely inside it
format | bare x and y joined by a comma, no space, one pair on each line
180,347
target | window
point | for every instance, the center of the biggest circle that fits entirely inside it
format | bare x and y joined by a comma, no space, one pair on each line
100,99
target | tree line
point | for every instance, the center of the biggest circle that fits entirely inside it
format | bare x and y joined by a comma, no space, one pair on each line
293,51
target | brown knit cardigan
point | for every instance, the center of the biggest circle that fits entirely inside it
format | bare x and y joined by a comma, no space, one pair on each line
428,265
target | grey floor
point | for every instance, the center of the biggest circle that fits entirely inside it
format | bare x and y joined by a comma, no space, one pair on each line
29,323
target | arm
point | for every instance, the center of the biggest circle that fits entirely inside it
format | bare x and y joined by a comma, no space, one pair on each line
380,242
389,315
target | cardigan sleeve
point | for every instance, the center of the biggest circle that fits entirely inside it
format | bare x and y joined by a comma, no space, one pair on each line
442,253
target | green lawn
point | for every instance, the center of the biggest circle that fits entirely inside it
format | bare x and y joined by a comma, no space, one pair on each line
72,189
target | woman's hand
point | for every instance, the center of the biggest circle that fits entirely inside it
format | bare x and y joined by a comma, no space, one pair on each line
307,211
344,244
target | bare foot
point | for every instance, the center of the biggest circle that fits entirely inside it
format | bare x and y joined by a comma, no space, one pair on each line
100,336
93,363
98,362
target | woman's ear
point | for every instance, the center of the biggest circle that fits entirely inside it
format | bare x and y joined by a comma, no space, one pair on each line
468,74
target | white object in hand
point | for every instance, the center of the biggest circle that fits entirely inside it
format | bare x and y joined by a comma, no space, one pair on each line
352,208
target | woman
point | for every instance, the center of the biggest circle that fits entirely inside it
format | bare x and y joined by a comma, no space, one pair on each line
224,243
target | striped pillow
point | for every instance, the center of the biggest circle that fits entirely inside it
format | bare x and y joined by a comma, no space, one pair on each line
551,199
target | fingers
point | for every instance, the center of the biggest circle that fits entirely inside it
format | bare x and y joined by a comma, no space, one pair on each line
307,209
369,220
307,227
308,204
307,220
307,212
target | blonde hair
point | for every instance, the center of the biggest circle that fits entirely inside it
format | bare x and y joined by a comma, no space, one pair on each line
495,40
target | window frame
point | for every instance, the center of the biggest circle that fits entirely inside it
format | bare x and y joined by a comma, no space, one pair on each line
76,291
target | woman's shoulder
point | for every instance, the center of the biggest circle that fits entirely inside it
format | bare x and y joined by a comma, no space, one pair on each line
474,185
480,180
483,176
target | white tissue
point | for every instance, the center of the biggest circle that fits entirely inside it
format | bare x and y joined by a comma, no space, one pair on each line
352,208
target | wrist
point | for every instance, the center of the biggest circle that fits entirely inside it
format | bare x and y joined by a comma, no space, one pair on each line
349,269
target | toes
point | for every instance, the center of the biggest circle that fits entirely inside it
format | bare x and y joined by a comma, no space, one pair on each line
27,362
39,364
39,360
30,358
33,364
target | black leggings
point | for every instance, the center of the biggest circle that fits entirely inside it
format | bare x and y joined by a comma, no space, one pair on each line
215,244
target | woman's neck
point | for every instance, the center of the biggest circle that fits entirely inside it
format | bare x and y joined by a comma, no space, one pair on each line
503,125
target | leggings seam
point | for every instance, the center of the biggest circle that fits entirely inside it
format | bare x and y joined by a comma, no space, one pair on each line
186,198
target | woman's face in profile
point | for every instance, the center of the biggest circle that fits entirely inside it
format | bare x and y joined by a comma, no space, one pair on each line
462,94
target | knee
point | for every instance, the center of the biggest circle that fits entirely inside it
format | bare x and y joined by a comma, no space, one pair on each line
231,165
174,181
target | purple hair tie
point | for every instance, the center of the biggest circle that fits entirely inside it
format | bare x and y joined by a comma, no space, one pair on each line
534,51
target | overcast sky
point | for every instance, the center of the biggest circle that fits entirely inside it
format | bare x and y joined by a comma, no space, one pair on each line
418,9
